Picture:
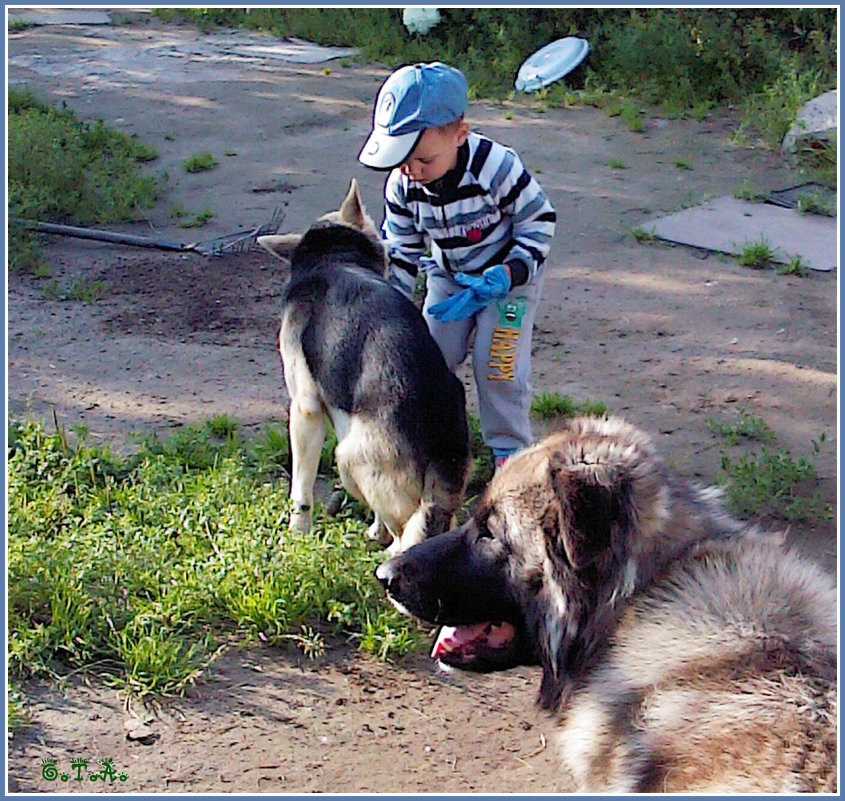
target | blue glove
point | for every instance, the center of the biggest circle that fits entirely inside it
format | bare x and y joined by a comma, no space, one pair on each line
481,291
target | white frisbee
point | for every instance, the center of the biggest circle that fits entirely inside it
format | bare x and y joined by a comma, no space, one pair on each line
551,63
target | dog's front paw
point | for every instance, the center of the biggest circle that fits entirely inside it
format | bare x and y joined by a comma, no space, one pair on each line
300,519
394,549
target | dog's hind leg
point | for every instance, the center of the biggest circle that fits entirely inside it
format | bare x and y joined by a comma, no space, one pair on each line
307,432
379,532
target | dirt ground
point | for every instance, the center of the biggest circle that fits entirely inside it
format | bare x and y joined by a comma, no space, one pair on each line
669,337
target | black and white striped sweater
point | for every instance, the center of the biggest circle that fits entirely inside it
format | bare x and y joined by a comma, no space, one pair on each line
487,210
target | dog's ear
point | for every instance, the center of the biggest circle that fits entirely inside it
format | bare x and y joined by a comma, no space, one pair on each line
352,211
583,513
280,245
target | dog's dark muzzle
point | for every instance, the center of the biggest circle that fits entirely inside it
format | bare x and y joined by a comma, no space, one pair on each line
446,580
449,580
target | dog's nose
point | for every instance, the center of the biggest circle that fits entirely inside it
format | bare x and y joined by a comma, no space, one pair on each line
386,573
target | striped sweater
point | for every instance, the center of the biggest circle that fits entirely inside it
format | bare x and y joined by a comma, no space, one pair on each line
487,210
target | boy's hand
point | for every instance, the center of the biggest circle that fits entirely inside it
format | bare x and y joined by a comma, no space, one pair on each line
481,291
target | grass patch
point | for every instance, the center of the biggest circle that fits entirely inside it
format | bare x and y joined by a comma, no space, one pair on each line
552,406
67,171
616,164
770,111
482,461
747,427
83,290
16,715
757,254
813,203
771,483
198,220
141,568
641,235
189,219
201,162
746,191
818,160
768,483
795,267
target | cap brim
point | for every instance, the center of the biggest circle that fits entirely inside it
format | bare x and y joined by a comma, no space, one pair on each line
383,152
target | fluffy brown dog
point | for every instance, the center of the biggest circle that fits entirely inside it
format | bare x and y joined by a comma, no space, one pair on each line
682,650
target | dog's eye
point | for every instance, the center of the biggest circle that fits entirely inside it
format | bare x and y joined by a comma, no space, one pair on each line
488,528
484,533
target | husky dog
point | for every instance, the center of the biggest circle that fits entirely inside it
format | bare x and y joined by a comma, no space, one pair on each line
681,650
357,353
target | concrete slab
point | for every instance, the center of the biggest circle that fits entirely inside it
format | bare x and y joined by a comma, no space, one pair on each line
223,46
59,16
245,45
728,225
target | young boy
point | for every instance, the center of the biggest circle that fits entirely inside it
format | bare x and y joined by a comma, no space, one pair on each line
487,224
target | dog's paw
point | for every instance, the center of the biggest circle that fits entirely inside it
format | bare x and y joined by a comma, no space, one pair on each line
394,549
378,532
300,520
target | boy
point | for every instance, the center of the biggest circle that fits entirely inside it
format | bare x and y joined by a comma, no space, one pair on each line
488,225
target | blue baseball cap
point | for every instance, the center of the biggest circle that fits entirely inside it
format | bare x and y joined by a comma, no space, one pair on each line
412,100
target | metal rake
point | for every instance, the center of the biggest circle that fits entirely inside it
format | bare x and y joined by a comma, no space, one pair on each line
238,242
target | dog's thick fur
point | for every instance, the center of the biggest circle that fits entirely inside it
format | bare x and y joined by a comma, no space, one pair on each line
358,353
682,650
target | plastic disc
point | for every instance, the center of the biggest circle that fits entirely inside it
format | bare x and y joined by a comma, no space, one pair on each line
551,63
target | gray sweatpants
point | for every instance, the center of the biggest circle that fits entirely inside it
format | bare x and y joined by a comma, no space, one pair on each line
501,355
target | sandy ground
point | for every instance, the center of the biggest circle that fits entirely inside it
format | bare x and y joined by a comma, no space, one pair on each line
669,337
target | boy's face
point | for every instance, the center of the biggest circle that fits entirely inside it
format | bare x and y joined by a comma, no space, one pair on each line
435,154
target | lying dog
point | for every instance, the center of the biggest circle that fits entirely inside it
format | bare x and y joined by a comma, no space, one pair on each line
681,650
358,353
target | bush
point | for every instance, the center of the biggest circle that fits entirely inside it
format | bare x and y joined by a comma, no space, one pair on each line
684,59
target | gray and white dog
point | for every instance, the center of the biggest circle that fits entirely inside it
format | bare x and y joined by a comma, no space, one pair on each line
681,650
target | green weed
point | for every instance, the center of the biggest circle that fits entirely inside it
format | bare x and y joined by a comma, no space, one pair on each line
748,427
818,160
682,164
198,220
773,484
757,254
482,460
771,110
746,191
641,235
201,162
616,164
551,406
812,203
632,116
83,290
795,267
